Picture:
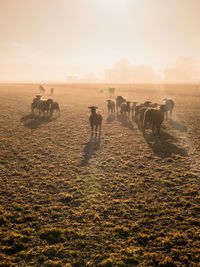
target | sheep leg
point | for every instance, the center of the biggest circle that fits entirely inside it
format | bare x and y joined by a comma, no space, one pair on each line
167,115
99,129
144,127
92,127
170,115
158,130
96,129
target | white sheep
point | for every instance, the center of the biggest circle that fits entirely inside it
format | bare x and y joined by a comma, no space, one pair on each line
169,106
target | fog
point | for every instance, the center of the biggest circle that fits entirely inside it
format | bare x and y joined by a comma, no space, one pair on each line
100,40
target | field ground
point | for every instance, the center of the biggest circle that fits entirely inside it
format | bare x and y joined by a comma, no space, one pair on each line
119,200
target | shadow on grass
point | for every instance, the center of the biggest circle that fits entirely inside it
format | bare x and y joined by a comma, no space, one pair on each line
125,122
90,148
33,121
165,145
178,126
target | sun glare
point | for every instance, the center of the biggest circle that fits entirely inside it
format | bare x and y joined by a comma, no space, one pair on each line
114,2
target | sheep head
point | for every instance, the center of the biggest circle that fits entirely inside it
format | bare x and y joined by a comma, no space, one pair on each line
93,109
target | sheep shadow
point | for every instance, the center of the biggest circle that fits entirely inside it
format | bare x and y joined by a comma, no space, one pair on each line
110,118
178,126
165,145
90,148
32,121
125,121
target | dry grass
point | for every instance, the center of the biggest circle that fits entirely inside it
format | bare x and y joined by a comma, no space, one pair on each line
121,200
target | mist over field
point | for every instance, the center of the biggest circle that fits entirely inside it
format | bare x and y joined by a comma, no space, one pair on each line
100,41
99,133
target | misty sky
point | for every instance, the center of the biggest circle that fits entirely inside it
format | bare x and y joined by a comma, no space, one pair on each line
75,37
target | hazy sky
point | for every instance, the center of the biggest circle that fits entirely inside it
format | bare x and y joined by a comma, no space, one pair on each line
68,37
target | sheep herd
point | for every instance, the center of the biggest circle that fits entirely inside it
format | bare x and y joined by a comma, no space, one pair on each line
46,107
143,114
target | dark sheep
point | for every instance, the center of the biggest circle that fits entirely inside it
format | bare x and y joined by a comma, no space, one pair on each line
155,117
54,106
119,101
34,103
142,111
111,107
138,107
44,105
95,120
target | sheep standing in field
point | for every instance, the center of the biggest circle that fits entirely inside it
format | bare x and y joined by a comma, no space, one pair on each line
34,103
111,92
169,106
51,91
125,108
95,120
42,90
43,106
119,101
142,111
141,116
54,106
111,107
133,109
155,117
138,107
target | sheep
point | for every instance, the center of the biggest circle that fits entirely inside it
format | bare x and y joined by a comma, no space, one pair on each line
44,105
141,116
119,101
111,107
42,90
52,91
138,107
155,117
169,106
111,91
95,120
142,111
133,109
125,108
34,103
54,106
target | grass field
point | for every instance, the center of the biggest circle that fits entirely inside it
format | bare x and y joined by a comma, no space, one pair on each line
119,200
